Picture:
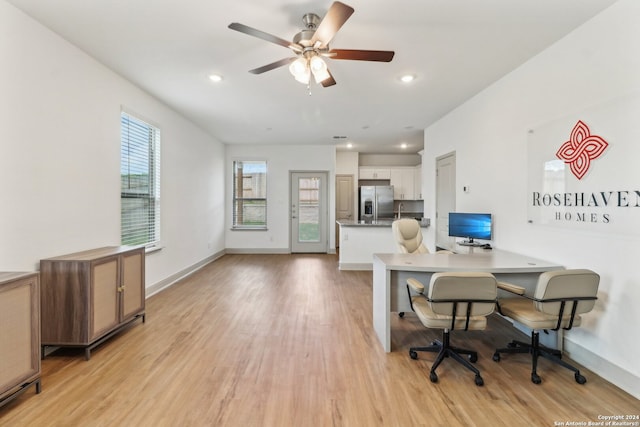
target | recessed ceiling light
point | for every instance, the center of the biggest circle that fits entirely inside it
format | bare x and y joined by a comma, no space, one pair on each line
407,78
215,77
349,145
404,145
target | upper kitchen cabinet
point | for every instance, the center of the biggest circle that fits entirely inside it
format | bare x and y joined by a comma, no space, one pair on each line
417,182
403,181
374,173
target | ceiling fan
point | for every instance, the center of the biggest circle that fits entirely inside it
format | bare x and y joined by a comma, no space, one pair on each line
311,45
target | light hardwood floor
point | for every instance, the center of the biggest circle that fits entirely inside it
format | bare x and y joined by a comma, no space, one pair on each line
287,340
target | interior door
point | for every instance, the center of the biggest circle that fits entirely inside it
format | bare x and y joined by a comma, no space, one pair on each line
309,231
344,201
445,198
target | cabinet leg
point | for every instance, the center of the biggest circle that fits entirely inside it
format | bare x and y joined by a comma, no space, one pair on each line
87,353
38,386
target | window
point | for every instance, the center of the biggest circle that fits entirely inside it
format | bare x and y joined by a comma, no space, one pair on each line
250,194
139,182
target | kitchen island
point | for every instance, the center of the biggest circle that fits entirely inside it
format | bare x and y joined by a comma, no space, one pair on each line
360,240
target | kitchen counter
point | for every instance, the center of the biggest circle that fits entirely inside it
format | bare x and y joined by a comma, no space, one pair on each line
379,223
350,223
359,241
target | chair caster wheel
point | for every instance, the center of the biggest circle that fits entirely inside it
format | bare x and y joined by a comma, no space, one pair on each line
496,357
580,379
413,354
535,378
433,377
479,381
401,314
473,358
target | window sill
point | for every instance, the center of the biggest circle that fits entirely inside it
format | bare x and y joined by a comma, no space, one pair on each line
249,229
152,249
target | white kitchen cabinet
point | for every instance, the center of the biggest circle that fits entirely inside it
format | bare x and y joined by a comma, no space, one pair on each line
403,181
374,173
417,182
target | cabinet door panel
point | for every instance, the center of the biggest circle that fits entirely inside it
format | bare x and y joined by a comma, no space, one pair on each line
19,334
417,183
133,284
402,180
104,297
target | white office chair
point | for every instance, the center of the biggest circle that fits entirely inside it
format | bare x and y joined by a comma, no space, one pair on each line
559,300
408,236
454,301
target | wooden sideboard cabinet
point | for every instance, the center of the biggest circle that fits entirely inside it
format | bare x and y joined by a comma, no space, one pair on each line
19,334
87,297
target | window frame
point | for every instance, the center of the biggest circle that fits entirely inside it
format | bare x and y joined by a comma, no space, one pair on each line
235,200
153,172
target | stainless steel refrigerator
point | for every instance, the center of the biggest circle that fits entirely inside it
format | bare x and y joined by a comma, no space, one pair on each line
376,203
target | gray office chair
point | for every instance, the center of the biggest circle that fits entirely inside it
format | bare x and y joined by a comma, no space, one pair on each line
454,301
559,300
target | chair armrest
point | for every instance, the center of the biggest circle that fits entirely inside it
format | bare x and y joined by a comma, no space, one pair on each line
416,285
510,287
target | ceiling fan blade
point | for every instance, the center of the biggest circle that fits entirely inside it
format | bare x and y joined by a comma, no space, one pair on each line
260,34
330,81
361,55
272,66
334,19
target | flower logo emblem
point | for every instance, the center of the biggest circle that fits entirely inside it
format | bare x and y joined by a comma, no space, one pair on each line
581,148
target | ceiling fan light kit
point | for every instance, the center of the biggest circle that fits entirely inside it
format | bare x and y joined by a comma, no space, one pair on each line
312,43
303,67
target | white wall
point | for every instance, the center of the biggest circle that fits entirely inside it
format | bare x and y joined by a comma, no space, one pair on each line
389,159
281,160
347,163
595,64
60,161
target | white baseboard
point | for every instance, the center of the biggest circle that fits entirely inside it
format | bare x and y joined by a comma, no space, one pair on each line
276,251
604,368
165,283
258,251
366,266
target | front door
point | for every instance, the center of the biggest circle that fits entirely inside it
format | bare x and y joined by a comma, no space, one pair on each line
309,231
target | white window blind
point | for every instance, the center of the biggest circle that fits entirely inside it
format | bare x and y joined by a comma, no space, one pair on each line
139,182
250,194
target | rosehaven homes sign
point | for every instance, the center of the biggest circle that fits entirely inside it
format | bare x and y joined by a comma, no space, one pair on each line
584,170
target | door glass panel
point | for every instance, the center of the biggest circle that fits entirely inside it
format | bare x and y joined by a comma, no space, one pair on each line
309,209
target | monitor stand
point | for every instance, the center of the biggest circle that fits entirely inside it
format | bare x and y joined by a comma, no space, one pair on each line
469,242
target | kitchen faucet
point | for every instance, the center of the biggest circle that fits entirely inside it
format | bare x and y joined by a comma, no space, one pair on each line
400,207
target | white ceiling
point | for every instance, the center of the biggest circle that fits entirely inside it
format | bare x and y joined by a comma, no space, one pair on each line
455,48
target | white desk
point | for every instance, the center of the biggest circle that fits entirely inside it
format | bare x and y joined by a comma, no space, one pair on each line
390,273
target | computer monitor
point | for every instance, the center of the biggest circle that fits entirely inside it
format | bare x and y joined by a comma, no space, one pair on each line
471,226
